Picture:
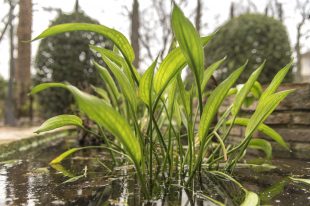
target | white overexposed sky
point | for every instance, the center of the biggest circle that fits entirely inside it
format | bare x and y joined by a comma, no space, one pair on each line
113,13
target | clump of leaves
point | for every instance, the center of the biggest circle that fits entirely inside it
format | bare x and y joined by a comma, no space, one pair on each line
151,116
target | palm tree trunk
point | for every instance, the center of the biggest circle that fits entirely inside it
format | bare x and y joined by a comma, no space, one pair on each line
23,77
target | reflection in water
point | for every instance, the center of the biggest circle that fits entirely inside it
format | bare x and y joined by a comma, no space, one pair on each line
30,181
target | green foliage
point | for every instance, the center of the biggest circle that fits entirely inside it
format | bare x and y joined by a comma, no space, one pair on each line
60,121
3,87
147,116
252,37
66,57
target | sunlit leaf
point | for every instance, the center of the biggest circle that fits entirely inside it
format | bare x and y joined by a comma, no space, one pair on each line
102,93
276,81
214,102
64,155
105,116
173,63
262,128
116,37
241,95
301,180
189,41
127,88
264,109
257,90
60,121
146,84
209,72
118,60
108,80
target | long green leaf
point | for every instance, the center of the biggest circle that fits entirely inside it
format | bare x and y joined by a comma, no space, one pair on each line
262,128
263,145
105,116
64,155
257,90
146,84
127,88
102,93
189,41
118,60
60,121
214,102
301,180
173,63
108,80
242,94
209,72
264,109
116,37
276,81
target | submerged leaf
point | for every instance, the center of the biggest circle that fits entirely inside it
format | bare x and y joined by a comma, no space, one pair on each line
73,179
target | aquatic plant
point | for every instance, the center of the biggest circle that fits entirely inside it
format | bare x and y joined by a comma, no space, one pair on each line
163,129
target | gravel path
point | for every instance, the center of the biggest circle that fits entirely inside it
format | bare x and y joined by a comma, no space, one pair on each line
9,134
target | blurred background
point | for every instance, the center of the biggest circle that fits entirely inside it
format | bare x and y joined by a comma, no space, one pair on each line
254,30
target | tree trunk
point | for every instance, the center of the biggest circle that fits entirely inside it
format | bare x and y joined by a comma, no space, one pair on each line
298,52
23,78
198,15
9,112
232,10
134,36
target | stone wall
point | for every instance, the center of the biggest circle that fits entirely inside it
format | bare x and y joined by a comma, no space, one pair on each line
291,120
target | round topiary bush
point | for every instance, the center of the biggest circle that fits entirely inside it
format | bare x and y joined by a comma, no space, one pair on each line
66,57
252,37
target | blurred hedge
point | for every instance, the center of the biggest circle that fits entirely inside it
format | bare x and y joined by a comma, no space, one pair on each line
252,37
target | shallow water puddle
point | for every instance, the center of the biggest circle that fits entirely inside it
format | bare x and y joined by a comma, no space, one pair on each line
27,179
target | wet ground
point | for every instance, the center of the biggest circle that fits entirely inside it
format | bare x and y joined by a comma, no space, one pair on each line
84,179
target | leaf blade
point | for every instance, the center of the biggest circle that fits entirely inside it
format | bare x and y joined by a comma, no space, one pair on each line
59,121
214,101
118,38
189,41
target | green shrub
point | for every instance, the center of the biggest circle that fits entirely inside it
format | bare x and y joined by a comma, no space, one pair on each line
66,57
252,37
146,115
